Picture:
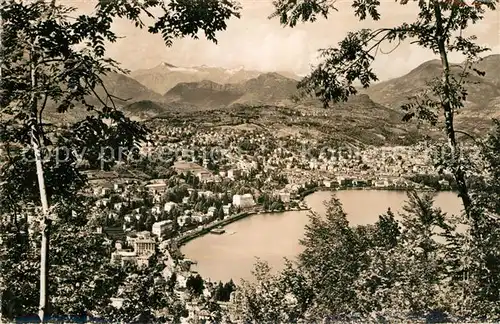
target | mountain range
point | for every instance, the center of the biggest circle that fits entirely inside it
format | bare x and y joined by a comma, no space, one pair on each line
265,89
165,76
167,89
483,92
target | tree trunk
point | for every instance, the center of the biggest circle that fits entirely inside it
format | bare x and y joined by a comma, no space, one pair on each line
44,250
457,169
36,142
448,110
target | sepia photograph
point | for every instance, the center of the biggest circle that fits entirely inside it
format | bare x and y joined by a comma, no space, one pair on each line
249,161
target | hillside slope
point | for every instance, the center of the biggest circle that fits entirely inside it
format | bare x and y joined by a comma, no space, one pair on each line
124,89
491,65
483,92
204,94
269,88
357,121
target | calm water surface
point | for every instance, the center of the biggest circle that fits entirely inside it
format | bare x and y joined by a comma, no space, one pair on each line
272,237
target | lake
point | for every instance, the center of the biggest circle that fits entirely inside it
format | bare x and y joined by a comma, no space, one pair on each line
272,237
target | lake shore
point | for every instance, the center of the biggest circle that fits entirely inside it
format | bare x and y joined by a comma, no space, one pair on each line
234,218
274,236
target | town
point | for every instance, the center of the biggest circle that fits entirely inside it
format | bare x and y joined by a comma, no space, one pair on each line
189,181
190,178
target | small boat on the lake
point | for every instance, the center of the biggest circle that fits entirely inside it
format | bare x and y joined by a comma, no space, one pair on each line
218,231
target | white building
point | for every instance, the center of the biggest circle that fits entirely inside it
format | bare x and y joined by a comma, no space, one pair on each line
381,183
157,188
211,211
204,175
243,201
144,247
161,228
200,218
169,206
285,197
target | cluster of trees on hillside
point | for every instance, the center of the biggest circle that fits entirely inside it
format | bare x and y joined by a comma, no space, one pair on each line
271,202
223,291
156,168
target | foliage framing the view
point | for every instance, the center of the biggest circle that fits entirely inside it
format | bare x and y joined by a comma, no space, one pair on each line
54,59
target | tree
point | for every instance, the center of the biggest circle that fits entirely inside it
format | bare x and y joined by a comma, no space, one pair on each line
195,284
16,252
419,255
473,253
80,291
55,61
278,205
375,283
438,26
219,213
219,291
274,298
172,281
148,223
145,298
222,292
332,259
193,197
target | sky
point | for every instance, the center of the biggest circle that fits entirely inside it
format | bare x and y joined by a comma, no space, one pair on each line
257,43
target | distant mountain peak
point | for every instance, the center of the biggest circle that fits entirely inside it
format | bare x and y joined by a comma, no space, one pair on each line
275,75
235,70
272,77
165,64
165,76
491,57
427,65
481,90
